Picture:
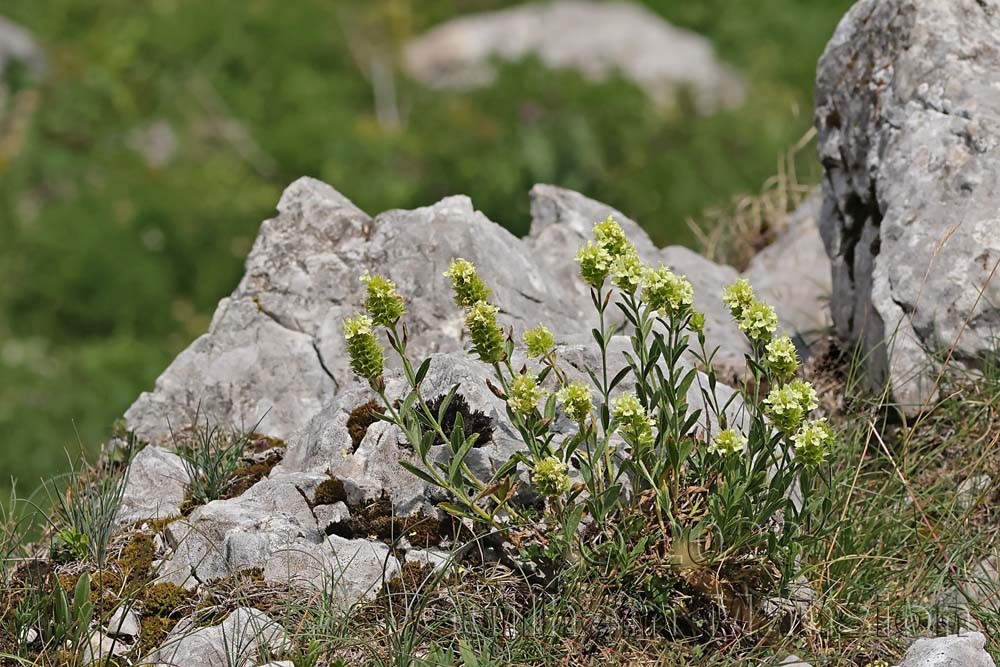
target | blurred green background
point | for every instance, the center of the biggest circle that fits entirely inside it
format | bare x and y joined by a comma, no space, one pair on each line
110,265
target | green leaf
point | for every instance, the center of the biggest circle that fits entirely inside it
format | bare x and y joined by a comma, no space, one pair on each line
550,407
414,470
60,606
445,402
456,510
469,659
617,379
422,371
598,336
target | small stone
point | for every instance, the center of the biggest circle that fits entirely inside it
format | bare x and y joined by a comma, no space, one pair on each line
972,490
794,661
331,515
435,558
123,622
965,650
100,647
238,639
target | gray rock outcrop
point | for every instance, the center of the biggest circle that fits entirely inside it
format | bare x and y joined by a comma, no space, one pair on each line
908,113
597,39
275,350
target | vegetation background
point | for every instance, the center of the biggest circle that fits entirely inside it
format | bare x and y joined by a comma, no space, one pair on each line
110,266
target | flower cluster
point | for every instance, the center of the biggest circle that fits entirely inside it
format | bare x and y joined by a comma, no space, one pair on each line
539,341
669,294
469,287
812,442
697,322
551,477
633,419
781,357
487,336
610,236
524,394
628,271
727,442
363,349
738,297
610,253
756,319
786,406
595,263
383,303
576,401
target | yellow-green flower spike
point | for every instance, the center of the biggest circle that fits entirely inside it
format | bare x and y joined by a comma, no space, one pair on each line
667,293
383,303
610,236
551,477
727,442
738,297
781,357
539,341
595,264
363,349
812,442
697,322
758,321
524,394
808,400
465,281
487,337
576,401
635,423
627,271
786,406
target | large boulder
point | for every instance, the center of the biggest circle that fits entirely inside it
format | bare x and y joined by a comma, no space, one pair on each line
597,39
908,114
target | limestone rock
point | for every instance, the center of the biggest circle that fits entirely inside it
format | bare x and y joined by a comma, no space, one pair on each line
235,642
597,39
123,622
155,486
794,661
353,569
227,536
908,114
965,650
100,647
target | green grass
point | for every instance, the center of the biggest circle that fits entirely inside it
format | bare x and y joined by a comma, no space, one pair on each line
110,267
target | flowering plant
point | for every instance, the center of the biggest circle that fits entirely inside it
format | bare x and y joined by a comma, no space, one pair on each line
638,465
